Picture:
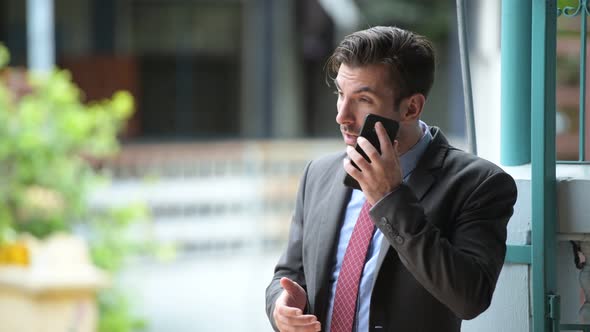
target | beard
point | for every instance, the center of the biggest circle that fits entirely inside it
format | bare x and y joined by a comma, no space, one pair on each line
349,130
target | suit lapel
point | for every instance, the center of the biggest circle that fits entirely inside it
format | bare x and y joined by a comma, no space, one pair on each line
334,208
419,182
423,177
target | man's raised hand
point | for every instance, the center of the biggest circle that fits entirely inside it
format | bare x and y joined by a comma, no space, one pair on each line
289,306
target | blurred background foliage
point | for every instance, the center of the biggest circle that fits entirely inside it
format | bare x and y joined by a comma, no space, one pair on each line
409,14
51,143
567,3
47,137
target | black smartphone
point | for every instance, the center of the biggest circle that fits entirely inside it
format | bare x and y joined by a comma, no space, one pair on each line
368,132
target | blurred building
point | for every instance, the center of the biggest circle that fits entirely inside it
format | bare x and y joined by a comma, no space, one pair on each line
199,69
209,70
212,78
232,102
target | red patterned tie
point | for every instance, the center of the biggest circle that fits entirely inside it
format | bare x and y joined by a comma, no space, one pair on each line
347,286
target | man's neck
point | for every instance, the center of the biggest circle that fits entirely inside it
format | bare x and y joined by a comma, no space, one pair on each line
410,138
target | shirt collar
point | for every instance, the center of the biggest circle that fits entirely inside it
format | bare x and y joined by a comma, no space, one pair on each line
409,160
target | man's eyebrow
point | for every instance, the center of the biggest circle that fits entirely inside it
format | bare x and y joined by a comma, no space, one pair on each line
359,90
364,89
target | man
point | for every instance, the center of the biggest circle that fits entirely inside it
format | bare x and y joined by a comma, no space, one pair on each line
421,246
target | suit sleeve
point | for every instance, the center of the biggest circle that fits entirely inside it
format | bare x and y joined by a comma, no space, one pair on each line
290,264
461,269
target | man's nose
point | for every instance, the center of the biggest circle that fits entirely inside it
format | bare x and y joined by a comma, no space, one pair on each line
345,114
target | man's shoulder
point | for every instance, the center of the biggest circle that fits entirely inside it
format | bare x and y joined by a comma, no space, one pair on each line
442,154
327,162
320,173
469,166
460,158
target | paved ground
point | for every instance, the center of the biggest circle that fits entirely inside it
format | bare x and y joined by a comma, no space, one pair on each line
221,292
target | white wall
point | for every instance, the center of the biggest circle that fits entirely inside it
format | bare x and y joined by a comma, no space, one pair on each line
509,310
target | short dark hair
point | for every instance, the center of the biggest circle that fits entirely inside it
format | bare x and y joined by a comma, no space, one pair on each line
409,55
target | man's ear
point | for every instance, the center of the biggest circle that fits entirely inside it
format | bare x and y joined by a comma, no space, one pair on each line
414,105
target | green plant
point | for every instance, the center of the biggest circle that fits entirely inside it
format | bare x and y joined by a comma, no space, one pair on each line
114,237
49,139
116,312
45,136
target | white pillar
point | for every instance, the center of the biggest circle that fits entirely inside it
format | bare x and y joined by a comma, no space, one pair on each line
485,64
40,35
345,14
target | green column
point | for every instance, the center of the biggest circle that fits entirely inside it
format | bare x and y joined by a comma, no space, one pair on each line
543,182
516,83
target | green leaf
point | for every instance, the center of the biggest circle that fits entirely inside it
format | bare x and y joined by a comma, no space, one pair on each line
122,104
567,3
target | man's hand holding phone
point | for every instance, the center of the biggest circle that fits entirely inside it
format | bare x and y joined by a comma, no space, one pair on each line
382,173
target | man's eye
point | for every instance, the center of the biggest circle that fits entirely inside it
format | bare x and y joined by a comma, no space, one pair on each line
365,100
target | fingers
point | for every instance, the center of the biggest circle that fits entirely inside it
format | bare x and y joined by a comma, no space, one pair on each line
289,318
351,170
311,327
384,141
358,159
285,310
292,320
368,148
382,173
301,323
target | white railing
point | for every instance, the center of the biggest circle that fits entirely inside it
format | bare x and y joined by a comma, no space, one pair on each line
215,196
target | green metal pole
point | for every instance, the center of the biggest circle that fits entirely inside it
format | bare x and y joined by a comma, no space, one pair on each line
515,126
582,107
544,281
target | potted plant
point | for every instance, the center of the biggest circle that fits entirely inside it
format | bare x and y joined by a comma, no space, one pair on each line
49,140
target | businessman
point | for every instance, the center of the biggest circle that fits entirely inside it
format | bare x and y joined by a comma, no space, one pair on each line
421,245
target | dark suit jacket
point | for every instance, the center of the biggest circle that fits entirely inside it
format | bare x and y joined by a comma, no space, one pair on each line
444,240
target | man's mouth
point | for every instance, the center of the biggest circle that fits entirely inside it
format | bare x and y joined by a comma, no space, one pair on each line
349,138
